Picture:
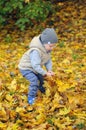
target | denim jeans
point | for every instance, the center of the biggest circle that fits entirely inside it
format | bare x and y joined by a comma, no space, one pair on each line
36,81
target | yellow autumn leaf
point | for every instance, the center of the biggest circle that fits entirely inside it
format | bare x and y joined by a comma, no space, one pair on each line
63,87
56,102
59,124
2,112
80,114
48,93
66,61
9,128
8,97
64,111
68,71
68,50
13,85
53,59
20,109
59,82
15,126
57,98
42,126
23,88
40,118
2,125
40,108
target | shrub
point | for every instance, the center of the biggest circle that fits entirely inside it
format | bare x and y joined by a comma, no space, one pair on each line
24,13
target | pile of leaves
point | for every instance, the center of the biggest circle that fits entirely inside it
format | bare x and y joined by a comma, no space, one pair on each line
63,107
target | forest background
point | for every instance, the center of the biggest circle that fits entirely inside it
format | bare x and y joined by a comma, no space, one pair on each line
63,107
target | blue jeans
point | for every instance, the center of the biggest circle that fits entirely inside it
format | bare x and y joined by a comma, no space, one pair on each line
36,82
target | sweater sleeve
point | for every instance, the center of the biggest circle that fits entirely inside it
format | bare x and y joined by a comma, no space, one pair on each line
48,65
36,62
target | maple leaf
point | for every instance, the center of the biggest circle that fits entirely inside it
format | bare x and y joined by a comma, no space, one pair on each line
40,118
13,85
64,111
20,109
3,125
62,86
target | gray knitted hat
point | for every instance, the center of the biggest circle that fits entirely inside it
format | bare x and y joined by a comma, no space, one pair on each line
48,36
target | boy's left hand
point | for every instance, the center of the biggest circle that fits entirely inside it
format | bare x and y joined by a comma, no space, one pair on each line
52,73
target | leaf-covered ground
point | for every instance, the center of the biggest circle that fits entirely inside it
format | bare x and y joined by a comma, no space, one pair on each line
63,107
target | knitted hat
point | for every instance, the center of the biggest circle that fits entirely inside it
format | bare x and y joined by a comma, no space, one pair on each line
48,36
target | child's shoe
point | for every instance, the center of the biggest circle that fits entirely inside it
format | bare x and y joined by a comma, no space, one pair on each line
31,100
42,89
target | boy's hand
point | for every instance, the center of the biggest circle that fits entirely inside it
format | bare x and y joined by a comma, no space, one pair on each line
50,73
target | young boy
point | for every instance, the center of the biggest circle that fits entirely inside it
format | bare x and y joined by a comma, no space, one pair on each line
32,61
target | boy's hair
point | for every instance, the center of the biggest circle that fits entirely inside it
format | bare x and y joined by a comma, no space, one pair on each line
48,36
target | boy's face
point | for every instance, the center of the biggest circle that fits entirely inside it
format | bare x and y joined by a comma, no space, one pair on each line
49,47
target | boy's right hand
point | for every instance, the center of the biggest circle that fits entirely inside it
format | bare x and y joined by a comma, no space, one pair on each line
49,74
